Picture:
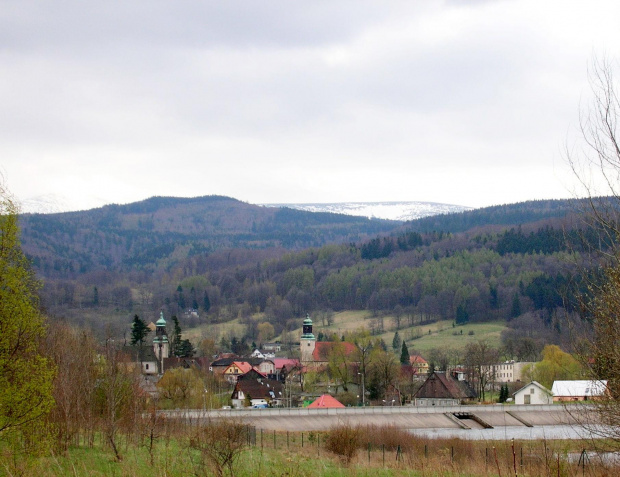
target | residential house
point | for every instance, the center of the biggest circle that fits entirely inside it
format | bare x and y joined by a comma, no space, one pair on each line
258,354
219,365
326,402
273,347
579,390
441,389
419,364
256,389
236,369
533,393
266,367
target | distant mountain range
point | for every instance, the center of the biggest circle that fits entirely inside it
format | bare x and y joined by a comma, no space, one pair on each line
145,234
402,211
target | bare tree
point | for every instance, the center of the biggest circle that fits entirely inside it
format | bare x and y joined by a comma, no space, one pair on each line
479,360
115,395
73,352
220,444
597,167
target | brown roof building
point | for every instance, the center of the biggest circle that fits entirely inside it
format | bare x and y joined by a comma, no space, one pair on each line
256,389
441,389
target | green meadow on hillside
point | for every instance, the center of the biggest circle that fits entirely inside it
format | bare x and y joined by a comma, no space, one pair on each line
420,339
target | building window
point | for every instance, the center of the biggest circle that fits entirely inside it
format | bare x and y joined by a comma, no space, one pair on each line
532,391
146,366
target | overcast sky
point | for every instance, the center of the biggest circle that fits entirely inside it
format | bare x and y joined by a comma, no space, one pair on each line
460,102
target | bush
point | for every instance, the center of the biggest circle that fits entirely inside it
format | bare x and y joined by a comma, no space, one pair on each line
348,399
344,441
220,444
389,436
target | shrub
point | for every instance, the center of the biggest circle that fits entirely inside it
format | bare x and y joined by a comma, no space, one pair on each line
348,399
344,441
220,444
389,436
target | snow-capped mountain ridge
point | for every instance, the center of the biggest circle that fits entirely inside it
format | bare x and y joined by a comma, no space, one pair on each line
401,211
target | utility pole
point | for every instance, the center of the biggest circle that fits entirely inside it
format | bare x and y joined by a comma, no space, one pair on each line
363,391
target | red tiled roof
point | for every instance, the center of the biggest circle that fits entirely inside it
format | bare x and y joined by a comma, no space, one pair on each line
323,348
285,362
416,359
243,366
326,401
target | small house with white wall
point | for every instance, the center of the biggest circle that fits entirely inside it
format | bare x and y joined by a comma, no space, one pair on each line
533,393
255,389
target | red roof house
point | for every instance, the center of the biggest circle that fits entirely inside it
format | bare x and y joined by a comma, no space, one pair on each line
324,402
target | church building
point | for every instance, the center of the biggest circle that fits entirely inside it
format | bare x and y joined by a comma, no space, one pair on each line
161,346
315,354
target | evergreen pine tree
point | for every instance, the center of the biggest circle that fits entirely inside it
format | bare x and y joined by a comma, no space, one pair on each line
503,393
206,303
462,316
180,297
176,337
396,342
139,330
515,310
185,349
404,354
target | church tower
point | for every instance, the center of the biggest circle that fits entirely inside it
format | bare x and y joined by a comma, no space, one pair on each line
161,346
307,342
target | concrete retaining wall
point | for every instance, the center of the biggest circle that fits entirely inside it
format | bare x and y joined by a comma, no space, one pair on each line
303,419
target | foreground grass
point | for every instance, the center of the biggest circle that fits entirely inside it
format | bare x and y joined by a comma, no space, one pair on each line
381,452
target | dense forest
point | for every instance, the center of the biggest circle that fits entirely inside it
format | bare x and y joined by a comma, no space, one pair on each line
162,231
211,260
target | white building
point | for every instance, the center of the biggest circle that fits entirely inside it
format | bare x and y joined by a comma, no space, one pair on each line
579,390
533,393
506,372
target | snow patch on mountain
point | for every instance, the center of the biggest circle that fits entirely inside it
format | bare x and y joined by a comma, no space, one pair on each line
401,211
54,203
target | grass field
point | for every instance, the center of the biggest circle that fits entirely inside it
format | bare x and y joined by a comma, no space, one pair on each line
379,451
442,333
421,338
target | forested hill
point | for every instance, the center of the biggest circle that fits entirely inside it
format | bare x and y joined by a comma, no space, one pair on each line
163,230
216,260
507,214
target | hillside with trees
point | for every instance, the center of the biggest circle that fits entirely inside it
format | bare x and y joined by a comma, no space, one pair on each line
214,259
162,231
